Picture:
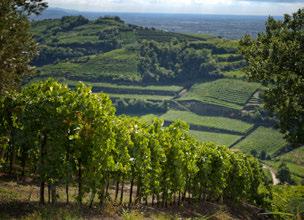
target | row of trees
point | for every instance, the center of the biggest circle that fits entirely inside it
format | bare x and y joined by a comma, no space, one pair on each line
64,137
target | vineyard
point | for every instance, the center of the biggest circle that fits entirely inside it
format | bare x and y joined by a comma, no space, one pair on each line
224,92
141,70
120,116
74,138
145,71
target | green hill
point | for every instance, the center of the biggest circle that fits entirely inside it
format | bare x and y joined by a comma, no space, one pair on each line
197,78
119,64
107,49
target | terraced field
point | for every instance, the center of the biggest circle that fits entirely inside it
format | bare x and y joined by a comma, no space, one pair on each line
235,74
120,64
152,88
296,170
231,93
296,156
262,138
148,118
222,139
206,121
162,36
140,97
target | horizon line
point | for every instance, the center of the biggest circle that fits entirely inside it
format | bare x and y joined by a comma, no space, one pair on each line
164,13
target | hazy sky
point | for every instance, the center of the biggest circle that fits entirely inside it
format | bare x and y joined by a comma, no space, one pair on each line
254,7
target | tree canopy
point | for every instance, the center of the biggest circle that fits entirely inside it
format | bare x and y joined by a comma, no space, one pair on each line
17,47
275,58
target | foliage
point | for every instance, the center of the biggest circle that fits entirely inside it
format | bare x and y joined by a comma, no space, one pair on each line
17,47
133,106
283,174
161,57
73,137
174,61
275,58
287,202
295,169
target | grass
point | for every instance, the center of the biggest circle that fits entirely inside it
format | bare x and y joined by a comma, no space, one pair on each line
234,73
295,169
140,97
288,202
76,38
208,121
14,204
263,138
296,156
148,118
295,162
161,36
170,88
222,139
202,36
230,93
120,64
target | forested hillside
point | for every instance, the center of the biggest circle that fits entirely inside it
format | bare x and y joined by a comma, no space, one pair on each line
107,49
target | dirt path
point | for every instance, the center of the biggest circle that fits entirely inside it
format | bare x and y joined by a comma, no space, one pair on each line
275,180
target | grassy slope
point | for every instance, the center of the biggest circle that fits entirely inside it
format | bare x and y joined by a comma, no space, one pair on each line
212,122
294,161
171,88
222,139
295,169
230,93
116,64
296,156
262,138
140,97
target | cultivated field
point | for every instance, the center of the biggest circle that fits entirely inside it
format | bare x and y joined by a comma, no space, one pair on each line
211,122
267,139
230,93
219,138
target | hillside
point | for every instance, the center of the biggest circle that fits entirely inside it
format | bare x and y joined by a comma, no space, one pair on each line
150,73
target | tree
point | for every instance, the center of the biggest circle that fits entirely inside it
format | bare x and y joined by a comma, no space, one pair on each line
263,155
275,58
254,153
284,174
17,47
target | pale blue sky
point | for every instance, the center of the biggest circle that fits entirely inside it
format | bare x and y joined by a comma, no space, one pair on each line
244,7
